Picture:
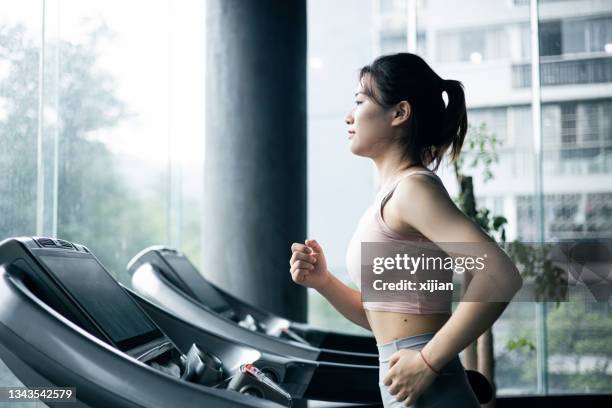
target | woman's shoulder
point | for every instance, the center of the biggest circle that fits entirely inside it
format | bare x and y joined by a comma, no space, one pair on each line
420,187
421,177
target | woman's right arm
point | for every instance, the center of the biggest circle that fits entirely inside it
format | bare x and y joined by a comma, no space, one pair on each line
309,268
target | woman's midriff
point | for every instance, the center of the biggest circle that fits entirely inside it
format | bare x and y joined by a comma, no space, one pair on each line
390,326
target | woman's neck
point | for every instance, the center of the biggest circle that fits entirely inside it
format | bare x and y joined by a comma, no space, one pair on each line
390,165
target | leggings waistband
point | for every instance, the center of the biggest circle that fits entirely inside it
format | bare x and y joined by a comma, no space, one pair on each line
418,341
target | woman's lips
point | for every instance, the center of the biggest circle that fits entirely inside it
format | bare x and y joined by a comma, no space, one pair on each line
351,134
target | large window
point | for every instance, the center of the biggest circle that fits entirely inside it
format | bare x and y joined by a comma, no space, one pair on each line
487,46
101,125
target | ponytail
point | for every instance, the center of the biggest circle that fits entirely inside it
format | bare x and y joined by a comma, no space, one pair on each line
455,117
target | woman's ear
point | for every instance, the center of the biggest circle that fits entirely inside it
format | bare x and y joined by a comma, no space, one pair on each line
401,113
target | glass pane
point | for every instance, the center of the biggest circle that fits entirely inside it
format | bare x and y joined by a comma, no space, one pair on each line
131,138
479,44
577,188
20,46
337,48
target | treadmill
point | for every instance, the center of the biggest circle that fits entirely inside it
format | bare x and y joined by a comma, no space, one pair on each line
322,345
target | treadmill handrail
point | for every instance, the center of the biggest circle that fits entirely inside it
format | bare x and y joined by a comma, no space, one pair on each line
149,283
233,300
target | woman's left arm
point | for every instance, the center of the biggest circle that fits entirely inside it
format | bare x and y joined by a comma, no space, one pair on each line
422,204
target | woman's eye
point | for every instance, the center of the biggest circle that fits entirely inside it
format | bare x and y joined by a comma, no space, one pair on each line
358,102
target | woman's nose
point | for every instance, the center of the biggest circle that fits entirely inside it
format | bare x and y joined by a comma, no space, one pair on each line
348,119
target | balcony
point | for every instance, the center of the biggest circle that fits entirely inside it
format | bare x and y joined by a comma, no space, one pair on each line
562,71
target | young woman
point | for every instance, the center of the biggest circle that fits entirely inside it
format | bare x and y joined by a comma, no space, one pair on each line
401,122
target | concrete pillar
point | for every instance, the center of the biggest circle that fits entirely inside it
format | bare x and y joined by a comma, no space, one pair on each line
255,159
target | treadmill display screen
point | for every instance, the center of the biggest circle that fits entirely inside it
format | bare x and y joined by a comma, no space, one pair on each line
203,290
103,299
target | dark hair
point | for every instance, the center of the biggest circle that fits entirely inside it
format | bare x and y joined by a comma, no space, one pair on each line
434,127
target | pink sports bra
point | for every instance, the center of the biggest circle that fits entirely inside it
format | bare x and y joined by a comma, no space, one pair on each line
372,228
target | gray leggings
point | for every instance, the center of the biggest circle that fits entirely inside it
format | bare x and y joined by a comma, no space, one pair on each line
450,388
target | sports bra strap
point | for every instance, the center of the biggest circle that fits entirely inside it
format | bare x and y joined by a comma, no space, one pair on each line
388,195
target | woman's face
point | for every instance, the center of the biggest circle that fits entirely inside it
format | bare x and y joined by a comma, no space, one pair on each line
369,126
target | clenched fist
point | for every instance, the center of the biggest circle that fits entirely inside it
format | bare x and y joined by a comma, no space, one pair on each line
308,264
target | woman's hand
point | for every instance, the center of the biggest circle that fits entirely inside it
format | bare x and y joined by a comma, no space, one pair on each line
308,265
408,376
